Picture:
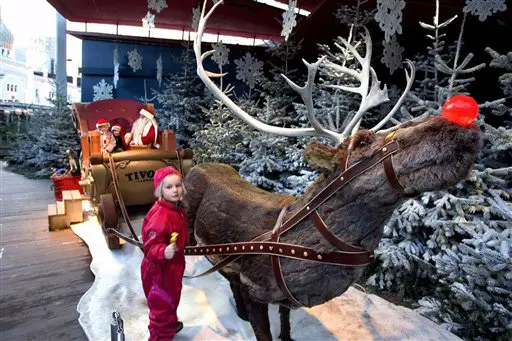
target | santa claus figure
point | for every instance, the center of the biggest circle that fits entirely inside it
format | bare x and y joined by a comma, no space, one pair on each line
144,130
118,131
107,140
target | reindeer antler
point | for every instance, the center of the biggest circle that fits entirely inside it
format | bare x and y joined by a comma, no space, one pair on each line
305,91
369,98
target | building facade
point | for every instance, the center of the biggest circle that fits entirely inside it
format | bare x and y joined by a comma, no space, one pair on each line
28,75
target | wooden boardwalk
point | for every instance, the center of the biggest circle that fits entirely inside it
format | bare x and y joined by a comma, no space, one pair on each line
42,274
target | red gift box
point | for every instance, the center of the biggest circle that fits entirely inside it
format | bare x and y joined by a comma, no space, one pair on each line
65,183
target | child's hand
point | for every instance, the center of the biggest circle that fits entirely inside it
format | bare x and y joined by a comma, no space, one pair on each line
169,251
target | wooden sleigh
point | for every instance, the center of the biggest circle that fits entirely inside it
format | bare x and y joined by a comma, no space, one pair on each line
121,179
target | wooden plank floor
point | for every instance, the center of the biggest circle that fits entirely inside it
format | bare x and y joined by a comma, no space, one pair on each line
42,274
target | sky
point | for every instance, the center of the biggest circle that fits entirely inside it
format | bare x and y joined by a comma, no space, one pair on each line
29,19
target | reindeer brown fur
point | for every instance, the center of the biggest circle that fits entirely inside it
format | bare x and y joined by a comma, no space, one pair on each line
433,154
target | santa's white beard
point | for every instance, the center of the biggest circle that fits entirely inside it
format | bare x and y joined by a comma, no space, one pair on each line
138,126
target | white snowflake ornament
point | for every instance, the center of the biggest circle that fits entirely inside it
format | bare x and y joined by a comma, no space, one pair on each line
116,67
159,70
249,70
148,21
392,54
221,54
157,5
484,8
134,60
289,21
102,90
196,15
389,16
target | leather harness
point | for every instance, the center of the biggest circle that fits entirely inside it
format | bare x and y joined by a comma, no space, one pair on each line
268,243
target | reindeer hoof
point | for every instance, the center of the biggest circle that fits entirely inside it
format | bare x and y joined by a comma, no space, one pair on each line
286,338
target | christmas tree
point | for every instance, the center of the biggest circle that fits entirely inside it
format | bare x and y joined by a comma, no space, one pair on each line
49,134
276,163
182,100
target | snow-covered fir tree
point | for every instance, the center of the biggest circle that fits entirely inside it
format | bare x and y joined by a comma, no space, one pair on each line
182,99
223,138
276,163
451,251
49,134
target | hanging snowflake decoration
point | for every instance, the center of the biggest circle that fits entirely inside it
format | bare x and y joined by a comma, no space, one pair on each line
102,90
159,70
484,8
289,21
249,70
135,60
392,54
116,67
221,54
196,15
148,21
389,16
157,5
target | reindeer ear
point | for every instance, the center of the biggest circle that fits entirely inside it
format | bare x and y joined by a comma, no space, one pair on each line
320,156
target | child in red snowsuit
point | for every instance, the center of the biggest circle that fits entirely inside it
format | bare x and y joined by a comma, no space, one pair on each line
164,261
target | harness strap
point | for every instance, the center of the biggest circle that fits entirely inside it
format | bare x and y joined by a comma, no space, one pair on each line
331,238
391,175
266,236
276,264
338,183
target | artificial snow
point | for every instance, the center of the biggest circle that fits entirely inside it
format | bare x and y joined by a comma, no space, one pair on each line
221,54
484,8
135,60
289,21
392,54
116,67
149,20
249,70
389,16
207,309
157,5
159,70
102,90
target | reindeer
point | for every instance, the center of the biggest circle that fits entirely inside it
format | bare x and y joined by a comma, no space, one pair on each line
346,208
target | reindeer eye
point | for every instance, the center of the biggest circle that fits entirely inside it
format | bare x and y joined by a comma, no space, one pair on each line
362,143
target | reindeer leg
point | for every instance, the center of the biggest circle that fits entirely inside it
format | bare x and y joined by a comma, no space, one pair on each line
284,314
239,300
258,317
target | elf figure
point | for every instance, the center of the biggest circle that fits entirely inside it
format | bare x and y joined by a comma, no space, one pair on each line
117,130
107,140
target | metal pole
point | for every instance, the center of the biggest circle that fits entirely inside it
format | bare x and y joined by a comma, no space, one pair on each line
61,79
116,327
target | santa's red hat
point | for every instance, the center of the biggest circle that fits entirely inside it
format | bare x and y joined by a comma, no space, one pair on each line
147,113
116,127
102,122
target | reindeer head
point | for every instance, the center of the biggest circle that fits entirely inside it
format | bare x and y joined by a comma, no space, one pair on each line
433,154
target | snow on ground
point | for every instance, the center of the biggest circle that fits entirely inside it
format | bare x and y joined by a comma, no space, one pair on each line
207,307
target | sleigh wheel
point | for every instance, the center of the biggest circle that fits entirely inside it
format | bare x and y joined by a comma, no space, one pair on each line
107,215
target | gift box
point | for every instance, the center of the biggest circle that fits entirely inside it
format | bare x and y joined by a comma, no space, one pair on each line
66,182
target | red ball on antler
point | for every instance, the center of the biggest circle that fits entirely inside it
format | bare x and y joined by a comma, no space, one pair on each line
460,109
